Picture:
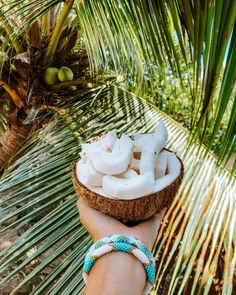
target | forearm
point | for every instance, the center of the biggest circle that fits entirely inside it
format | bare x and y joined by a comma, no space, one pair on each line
116,273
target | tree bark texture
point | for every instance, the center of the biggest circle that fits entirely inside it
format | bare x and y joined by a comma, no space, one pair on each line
10,142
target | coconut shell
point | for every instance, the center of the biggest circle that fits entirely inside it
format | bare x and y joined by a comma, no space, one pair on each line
129,210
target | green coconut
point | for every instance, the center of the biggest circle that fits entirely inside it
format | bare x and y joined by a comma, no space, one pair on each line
51,75
65,74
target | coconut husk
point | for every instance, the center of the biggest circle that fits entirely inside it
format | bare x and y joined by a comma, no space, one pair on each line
129,210
11,140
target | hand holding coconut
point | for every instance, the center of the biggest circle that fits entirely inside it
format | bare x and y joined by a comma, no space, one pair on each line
130,178
99,225
110,272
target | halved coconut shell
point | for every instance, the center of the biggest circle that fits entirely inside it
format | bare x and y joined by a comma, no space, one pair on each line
129,210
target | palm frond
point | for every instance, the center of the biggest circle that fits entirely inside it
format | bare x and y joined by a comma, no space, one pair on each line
9,33
190,45
17,16
57,31
121,37
198,232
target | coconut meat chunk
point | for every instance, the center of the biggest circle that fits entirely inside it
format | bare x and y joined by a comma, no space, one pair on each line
130,173
135,164
106,143
174,169
127,189
88,175
161,164
81,172
88,148
150,146
115,162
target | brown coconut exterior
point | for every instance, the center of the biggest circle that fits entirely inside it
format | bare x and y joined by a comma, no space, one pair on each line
129,210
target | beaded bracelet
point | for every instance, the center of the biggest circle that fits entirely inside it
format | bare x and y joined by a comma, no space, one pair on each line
124,243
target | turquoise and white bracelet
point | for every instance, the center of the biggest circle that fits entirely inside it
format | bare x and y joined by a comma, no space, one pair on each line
124,243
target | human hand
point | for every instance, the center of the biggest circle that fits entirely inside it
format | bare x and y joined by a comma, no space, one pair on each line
99,225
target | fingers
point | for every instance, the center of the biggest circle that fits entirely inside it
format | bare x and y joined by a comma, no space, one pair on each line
97,224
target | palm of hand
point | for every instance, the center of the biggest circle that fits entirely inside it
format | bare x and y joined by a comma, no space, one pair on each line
99,225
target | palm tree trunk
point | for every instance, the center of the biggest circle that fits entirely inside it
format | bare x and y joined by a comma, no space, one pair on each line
10,142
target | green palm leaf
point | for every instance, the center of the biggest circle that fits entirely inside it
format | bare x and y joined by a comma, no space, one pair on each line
198,232
25,13
135,39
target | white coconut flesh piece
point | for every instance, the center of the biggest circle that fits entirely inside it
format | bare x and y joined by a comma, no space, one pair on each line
174,169
106,143
135,164
150,146
161,165
88,148
126,189
142,139
88,175
113,170
109,141
130,173
81,171
114,162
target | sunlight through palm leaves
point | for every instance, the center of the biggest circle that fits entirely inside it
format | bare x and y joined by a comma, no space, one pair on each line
140,39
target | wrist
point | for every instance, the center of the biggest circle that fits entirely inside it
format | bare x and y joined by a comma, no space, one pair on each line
117,273
128,267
